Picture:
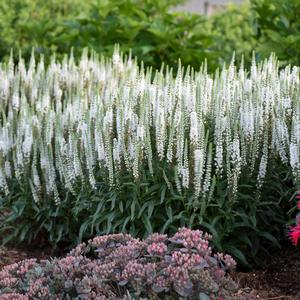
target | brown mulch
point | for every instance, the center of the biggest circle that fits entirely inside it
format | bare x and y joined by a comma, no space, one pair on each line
279,281
10,254
40,250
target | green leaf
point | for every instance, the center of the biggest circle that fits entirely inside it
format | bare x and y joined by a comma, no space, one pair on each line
132,210
269,237
236,253
163,194
24,231
150,209
148,225
82,230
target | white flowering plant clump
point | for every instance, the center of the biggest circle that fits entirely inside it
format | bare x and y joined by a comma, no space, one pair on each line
104,124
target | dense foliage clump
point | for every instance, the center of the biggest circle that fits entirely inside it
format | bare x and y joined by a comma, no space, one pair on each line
152,29
155,34
276,25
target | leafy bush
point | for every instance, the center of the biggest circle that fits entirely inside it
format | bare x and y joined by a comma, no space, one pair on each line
25,24
277,26
98,147
149,29
121,267
232,31
154,34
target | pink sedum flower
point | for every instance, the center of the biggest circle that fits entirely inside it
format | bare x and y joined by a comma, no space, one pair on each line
157,249
14,296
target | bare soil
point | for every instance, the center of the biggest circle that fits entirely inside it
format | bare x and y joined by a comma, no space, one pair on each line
279,280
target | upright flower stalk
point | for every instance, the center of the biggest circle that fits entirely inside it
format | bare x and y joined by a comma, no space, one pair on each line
68,124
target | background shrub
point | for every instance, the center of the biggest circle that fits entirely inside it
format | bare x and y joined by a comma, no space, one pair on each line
277,27
232,32
154,32
27,24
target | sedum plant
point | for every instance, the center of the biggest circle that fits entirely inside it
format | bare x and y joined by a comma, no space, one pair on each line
121,267
102,145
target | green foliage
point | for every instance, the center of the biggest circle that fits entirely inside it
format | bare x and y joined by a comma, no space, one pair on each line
25,24
152,30
232,31
154,34
277,25
247,229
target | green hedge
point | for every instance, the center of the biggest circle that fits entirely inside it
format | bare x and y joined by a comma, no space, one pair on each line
155,34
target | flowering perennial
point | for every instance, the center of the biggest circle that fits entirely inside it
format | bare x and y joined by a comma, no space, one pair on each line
71,124
120,267
295,230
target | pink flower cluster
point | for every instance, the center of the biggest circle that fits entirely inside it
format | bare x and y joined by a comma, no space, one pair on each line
179,274
157,249
26,266
186,260
5,276
102,270
194,239
38,290
295,230
18,269
110,240
229,262
134,270
131,249
182,266
156,238
14,296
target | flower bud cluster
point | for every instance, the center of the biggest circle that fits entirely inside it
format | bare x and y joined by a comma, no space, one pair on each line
157,249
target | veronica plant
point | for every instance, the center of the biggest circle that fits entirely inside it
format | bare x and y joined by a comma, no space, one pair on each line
102,144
